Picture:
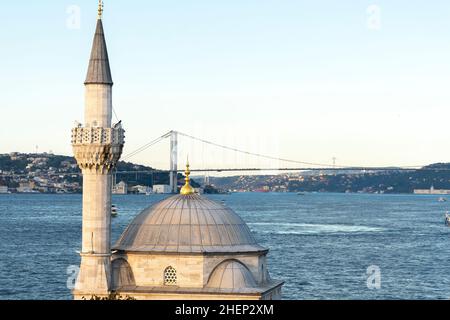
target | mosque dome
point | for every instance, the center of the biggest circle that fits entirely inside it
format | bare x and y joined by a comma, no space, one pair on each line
231,274
188,223
188,246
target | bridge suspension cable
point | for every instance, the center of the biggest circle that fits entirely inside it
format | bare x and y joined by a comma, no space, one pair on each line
264,156
329,166
259,155
146,146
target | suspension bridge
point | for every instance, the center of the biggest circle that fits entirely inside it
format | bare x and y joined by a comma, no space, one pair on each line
284,164
295,165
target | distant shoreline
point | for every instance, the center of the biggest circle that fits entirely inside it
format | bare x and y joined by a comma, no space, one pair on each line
249,192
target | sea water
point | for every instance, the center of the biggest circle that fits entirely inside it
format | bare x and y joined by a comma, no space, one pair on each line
324,246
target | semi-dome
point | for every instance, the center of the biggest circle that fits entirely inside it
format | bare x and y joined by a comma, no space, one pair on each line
188,224
231,274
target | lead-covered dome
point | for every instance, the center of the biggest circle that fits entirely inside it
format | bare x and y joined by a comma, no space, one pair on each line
188,224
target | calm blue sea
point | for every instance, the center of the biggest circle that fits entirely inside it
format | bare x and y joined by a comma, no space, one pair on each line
321,244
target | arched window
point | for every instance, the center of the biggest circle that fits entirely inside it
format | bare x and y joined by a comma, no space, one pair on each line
170,276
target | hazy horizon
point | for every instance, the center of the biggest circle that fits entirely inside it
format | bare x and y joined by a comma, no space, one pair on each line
365,82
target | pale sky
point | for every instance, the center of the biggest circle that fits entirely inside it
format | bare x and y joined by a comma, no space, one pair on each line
367,82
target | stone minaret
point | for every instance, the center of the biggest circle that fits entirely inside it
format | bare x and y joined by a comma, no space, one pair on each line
97,147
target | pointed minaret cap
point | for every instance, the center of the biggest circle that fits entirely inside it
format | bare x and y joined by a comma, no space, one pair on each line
99,71
187,188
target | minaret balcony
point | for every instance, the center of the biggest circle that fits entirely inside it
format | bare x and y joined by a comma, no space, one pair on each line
98,136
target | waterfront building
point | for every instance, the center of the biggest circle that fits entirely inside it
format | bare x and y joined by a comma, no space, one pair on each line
141,190
432,190
14,156
199,190
26,188
183,247
120,188
162,189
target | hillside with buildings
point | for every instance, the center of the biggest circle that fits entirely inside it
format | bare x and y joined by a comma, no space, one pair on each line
49,173
431,179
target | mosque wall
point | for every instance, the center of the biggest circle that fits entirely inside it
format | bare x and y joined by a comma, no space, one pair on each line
192,272
188,296
148,269
274,294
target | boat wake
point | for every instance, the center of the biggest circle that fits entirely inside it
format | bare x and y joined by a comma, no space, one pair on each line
305,229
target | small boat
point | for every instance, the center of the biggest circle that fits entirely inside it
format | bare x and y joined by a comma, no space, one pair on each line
300,193
447,219
113,211
442,199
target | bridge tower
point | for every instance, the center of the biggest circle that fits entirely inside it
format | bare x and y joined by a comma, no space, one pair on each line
174,161
97,147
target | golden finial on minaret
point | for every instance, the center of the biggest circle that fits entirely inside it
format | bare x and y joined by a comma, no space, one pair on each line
100,9
187,188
